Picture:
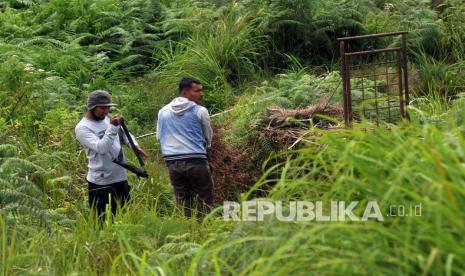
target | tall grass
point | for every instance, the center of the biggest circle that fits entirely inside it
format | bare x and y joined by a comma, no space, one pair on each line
223,53
439,77
406,165
414,163
54,52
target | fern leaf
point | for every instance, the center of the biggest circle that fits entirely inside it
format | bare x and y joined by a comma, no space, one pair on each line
8,151
12,165
8,196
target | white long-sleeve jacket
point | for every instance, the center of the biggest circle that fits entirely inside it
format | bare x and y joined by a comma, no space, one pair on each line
102,145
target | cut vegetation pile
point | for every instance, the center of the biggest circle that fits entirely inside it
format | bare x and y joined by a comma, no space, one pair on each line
287,127
233,171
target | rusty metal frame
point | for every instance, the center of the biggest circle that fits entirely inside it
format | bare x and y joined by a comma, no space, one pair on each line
400,63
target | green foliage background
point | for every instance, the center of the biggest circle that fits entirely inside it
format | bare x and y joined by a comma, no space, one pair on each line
249,55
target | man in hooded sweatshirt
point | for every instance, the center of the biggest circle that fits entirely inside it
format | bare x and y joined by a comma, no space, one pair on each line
185,133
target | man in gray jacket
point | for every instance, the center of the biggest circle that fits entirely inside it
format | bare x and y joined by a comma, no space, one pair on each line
184,131
98,134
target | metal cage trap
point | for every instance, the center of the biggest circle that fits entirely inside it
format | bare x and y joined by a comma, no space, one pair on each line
375,81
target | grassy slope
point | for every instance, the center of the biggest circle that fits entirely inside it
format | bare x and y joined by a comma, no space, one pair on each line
413,163
418,164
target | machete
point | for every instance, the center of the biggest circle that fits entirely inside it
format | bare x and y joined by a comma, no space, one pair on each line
140,172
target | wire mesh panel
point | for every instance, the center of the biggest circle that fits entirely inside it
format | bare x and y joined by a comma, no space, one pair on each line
375,81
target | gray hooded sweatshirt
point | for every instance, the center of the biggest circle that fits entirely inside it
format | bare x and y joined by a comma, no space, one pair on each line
184,129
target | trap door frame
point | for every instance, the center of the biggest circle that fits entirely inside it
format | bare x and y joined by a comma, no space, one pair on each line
349,73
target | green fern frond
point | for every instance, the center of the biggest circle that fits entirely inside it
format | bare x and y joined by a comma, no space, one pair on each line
83,38
17,209
42,41
4,183
19,196
8,196
18,165
105,15
8,150
23,185
115,31
127,62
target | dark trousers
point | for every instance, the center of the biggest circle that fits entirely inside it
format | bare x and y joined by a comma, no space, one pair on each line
193,185
114,194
